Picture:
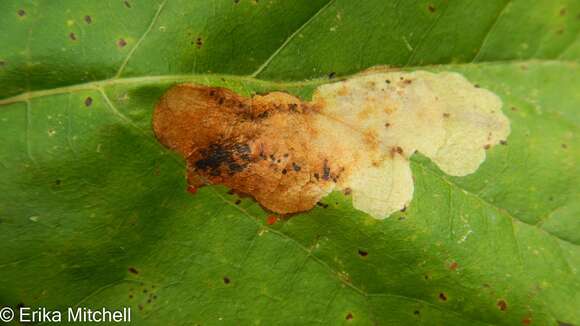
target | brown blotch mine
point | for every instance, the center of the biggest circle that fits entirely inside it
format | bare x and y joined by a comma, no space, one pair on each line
442,296
88,19
363,253
127,4
88,101
349,316
243,153
431,8
133,270
199,42
21,12
226,280
72,36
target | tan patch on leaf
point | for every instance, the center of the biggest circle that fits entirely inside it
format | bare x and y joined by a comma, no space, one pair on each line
357,134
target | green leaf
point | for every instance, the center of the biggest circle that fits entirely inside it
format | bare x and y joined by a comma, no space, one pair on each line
94,212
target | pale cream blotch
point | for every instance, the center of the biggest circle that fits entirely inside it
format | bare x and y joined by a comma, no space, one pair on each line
356,134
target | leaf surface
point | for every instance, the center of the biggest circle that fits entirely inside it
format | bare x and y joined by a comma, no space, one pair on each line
94,212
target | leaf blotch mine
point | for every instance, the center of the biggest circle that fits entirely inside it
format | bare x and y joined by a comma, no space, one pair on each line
72,36
21,12
88,101
133,270
356,135
363,253
442,296
88,19
349,316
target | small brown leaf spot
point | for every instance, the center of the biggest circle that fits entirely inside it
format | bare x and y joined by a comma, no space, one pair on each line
145,291
564,146
133,270
563,12
121,43
442,296
527,321
453,266
284,171
236,1
272,219
347,191
513,108
323,205
349,316
72,36
446,115
140,307
431,8
21,12
503,142
487,146
387,125
88,19
199,42
226,280
416,312
130,296
363,253
502,305
57,182
331,75
191,189
476,86
403,209
238,202
296,167
127,4
88,101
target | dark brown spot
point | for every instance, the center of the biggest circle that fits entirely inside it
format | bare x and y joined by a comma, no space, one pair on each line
502,305
513,108
238,202
563,12
133,270
446,115
387,81
323,205
121,43
347,191
57,182
431,7
453,266
72,36
226,280
127,4
503,142
476,86
404,209
130,296
21,12
387,125
145,291
2,63
416,312
140,306
560,31
487,146
442,296
199,42
331,75
295,167
349,316
564,146
88,101
284,171
527,321
236,1
363,253
88,19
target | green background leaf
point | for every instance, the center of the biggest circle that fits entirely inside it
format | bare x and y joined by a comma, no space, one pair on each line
94,212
